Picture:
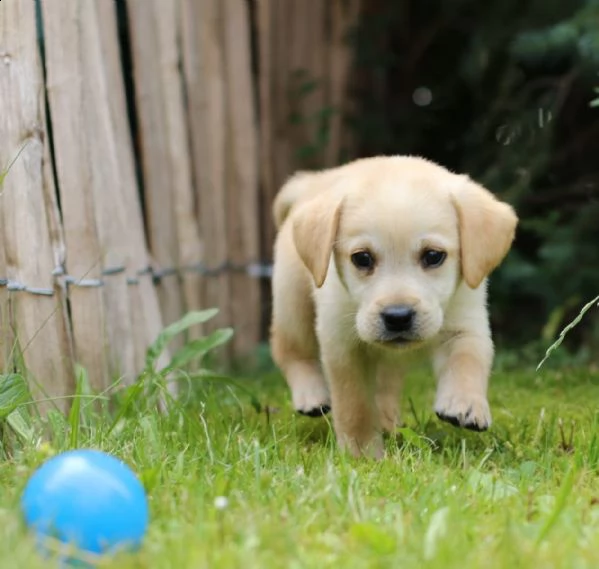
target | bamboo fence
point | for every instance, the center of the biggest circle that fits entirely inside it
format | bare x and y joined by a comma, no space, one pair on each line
142,143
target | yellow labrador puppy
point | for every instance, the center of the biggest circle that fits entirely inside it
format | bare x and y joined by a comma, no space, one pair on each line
373,259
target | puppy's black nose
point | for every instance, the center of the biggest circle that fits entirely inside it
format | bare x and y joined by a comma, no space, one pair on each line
398,318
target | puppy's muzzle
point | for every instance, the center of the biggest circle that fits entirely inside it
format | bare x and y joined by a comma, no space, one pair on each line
398,321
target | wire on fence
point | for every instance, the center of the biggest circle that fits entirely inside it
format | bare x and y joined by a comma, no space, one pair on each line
254,270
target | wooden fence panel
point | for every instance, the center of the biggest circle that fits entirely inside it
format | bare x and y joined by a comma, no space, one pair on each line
173,231
99,197
303,80
221,103
6,336
39,324
204,71
117,200
281,71
306,83
268,181
210,172
242,176
188,236
63,30
343,19
150,67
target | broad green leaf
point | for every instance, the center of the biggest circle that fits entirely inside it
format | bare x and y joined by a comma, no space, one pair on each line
198,348
189,320
13,392
18,423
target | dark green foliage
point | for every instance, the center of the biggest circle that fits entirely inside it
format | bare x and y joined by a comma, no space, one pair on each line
510,85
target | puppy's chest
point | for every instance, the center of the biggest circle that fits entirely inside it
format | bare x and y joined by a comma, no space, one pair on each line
402,359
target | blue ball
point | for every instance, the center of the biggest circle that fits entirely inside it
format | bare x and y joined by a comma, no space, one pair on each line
87,499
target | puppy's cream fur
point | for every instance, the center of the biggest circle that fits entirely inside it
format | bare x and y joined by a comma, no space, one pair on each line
330,334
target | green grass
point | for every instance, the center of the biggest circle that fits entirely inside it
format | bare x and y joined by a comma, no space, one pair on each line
520,495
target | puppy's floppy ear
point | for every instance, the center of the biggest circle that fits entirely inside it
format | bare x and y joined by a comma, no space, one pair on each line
293,190
487,227
315,224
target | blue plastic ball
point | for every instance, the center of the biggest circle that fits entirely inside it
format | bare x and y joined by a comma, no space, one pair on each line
87,499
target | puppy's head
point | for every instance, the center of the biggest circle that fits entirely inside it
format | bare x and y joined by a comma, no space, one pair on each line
400,234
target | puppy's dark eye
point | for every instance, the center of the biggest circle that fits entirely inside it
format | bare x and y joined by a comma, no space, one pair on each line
431,258
363,260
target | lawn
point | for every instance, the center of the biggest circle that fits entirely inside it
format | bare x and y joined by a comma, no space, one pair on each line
231,485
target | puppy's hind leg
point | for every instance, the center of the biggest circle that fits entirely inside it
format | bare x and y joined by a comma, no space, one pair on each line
293,337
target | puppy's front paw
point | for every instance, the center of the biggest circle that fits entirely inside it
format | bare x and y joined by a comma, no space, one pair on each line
312,400
462,410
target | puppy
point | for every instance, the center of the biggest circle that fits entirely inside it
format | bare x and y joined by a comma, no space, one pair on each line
374,259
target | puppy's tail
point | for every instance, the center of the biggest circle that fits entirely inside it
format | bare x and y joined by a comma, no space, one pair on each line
293,189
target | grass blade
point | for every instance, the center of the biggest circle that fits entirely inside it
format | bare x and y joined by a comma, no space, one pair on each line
75,412
569,327
560,504
4,173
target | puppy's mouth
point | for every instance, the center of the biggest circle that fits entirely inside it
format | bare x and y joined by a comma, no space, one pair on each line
399,340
